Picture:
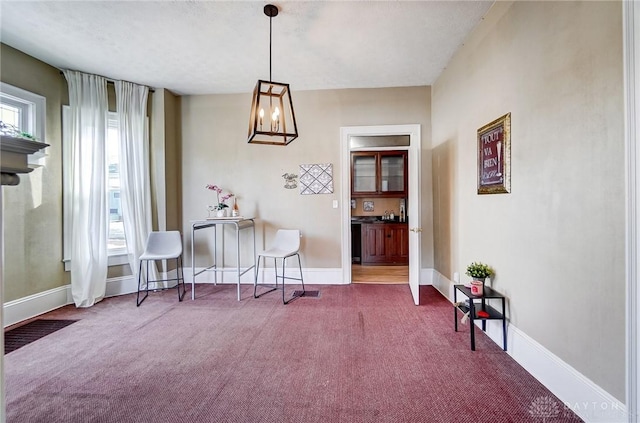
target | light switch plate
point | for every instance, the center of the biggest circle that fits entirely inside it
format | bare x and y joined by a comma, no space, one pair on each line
335,204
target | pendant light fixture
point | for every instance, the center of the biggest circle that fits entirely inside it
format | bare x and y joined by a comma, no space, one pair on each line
272,119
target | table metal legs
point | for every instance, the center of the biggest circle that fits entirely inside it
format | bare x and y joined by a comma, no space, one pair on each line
238,226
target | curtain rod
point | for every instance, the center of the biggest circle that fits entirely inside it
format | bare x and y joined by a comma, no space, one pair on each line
113,81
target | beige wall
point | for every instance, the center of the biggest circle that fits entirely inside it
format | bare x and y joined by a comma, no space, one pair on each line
557,241
214,150
173,162
165,160
32,211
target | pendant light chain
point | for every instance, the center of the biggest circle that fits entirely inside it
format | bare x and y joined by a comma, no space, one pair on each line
270,31
270,79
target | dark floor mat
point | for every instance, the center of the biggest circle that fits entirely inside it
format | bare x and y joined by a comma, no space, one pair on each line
32,331
309,294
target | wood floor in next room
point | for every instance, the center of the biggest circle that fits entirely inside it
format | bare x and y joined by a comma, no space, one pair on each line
380,274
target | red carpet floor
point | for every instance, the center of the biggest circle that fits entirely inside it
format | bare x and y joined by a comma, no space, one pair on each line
355,353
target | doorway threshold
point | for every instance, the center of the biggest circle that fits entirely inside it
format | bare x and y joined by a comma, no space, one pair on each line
392,275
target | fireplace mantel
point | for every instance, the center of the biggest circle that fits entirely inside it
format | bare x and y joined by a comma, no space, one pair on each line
14,154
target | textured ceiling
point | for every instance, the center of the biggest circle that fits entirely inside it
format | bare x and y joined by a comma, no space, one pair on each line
203,47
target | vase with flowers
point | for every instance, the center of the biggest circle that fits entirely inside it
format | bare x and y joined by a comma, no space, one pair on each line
479,272
221,201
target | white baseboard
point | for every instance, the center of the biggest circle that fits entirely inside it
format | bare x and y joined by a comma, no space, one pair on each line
129,284
312,276
427,276
120,286
590,402
27,307
34,305
318,276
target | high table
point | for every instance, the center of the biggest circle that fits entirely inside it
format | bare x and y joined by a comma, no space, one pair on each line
238,223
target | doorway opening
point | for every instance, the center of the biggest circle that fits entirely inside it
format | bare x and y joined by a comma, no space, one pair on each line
393,252
379,229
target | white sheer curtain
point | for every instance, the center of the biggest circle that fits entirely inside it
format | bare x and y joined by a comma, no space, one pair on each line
135,197
89,218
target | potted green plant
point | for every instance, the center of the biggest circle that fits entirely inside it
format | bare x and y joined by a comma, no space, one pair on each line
478,272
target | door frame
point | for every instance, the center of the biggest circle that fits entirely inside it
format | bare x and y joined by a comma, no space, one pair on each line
414,194
631,53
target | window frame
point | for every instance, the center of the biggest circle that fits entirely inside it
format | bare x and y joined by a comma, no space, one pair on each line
33,114
116,256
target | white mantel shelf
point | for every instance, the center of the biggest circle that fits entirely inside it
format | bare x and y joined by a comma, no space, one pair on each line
14,154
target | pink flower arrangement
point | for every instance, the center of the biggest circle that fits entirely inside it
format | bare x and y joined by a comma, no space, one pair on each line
221,200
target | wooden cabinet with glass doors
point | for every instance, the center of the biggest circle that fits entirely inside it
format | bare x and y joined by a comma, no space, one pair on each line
379,173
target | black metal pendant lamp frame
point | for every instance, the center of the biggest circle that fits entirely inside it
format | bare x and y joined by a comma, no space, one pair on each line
279,126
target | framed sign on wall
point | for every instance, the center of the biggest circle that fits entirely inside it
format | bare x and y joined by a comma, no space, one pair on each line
494,156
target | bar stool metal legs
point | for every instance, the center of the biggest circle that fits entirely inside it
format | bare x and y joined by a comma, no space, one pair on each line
286,244
162,246
179,278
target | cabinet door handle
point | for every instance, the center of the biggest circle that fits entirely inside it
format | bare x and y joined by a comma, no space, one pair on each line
416,229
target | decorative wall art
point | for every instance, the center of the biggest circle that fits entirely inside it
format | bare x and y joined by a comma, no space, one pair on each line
494,156
290,180
316,178
367,206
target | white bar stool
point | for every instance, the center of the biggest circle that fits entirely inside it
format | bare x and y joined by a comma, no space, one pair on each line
286,244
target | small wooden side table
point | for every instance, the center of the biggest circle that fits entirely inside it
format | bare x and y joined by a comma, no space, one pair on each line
476,304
